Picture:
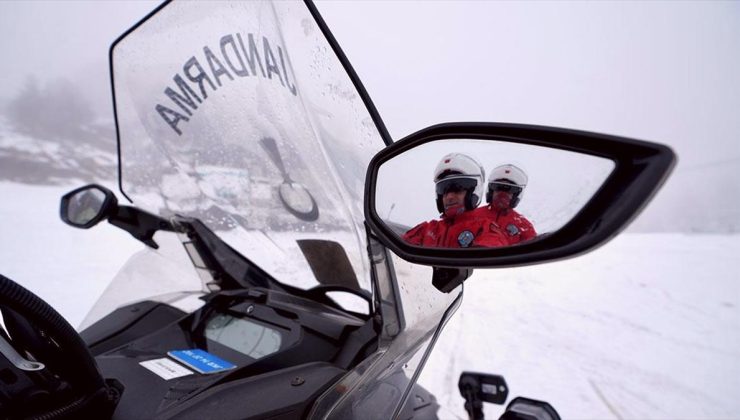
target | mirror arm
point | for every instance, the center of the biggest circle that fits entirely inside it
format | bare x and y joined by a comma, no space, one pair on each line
446,279
140,224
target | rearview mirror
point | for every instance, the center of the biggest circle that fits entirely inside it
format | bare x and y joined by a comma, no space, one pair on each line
462,193
493,195
87,206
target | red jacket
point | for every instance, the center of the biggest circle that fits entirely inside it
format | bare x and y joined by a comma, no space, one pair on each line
515,226
462,231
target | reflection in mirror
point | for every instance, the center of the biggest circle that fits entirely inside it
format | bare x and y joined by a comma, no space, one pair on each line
461,193
84,206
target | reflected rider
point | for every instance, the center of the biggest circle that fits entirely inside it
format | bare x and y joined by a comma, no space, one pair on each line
458,180
506,185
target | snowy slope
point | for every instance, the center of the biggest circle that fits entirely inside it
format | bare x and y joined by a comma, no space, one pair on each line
67,267
88,155
645,327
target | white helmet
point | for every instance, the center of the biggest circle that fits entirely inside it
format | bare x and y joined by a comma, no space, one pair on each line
457,170
509,178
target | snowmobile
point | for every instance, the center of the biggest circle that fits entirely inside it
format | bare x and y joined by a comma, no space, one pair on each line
275,281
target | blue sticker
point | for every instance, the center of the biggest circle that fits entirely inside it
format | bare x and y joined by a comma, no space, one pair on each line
201,361
465,238
513,230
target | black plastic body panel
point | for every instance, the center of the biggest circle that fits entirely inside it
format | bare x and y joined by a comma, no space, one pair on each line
281,382
127,324
282,394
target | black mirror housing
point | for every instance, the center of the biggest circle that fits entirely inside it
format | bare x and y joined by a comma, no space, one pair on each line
521,408
87,206
639,169
483,387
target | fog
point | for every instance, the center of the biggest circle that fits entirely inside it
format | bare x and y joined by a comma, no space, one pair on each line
69,40
660,71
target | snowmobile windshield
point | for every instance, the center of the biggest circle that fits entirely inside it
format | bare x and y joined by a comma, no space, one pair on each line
242,116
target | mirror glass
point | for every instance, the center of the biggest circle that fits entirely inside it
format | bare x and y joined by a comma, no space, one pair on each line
84,206
460,193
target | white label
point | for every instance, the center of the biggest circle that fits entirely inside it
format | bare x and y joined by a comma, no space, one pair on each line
166,368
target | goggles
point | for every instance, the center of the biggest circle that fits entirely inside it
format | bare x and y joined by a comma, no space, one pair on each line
455,185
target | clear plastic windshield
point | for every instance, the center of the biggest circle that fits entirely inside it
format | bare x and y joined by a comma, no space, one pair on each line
163,275
241,115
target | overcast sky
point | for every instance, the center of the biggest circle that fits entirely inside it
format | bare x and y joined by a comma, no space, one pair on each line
665,71
661,71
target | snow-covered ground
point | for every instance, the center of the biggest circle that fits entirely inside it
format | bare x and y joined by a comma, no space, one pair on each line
647,326
67,267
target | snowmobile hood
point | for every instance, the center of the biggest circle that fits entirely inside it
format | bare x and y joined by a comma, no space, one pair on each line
241,115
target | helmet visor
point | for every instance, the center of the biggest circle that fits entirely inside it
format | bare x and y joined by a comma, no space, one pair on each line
455,185
505,186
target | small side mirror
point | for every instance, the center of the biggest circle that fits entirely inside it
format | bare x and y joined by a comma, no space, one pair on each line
86,206
478,388
521,408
